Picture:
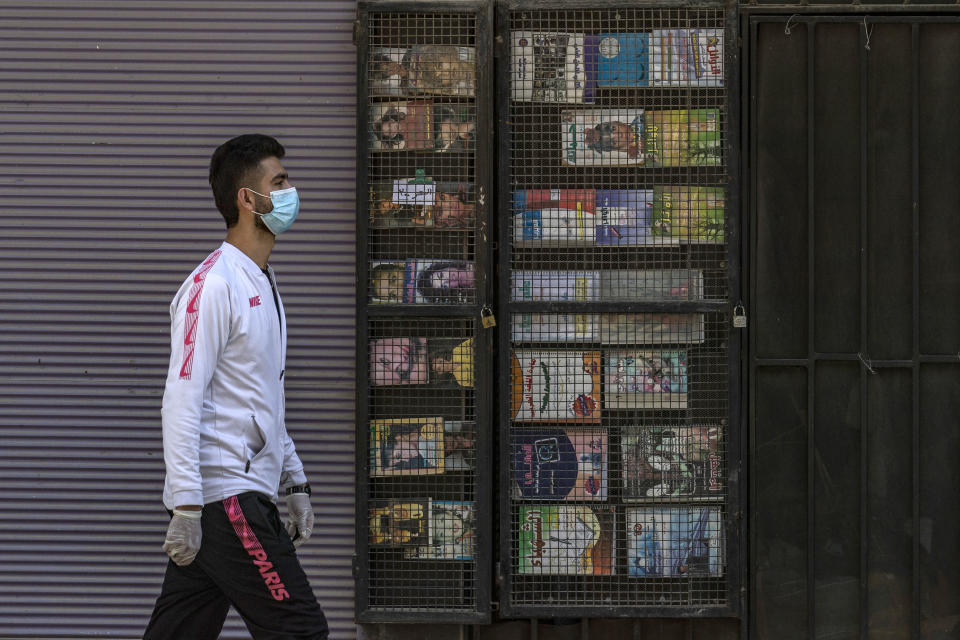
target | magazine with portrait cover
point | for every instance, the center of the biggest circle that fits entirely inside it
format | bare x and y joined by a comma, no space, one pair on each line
453,532
553,327
399,126
686,57
623,216
624,60
553,67
400,523
454,127
645,379
459,445
629,285
675,541
398,361
566,539
683,138
688,214
553,286
407,446
560,464
651,328
555,385
666,462
554,217
422,281
387,74
451,361
422,203
444,70
602,137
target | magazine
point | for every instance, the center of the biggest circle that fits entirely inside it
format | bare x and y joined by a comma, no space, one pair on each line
451,361
553,67
560,464
398,361
671,462
686,57
623,216
387,73
651,328
406,446
553,286
454,128
453,532
422,281
553,327
400,522
552,217
624,60
646,380
396,126
459,445
622,285
683,137
607,137
427,69
675,541
566,539
688,214
556,386
422,203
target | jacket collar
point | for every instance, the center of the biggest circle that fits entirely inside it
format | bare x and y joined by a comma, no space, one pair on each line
243,260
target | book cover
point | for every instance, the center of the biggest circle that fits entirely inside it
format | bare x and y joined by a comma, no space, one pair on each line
396,126
398,361
560,464
453,532
624,60
422,203
400,522
554,217
671,462
553,327
566,539
553,67
553,286
454,128
705,51
651,328
444,70
422,281
646,380
555,385
675,541
628,285
459,445
602,137
688,214
683,137
451,361
388,71
407,446
623,216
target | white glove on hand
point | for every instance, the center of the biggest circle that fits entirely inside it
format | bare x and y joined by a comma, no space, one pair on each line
301,517
183,537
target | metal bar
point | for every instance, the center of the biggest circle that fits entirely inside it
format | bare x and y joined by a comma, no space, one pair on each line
915,186
864,389
811,365
704,306
851,357
534,5
851,13
618,611
388,615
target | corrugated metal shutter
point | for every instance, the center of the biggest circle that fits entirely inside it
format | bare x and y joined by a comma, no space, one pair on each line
108,114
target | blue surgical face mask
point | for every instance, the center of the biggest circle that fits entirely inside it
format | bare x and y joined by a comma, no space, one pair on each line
286,206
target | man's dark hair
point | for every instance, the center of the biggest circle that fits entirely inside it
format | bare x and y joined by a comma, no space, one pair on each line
233,164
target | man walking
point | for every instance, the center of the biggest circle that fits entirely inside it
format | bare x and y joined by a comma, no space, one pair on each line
225,442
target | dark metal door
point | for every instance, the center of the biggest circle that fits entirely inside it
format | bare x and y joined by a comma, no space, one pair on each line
854,203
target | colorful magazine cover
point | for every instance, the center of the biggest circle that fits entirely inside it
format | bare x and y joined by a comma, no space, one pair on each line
686,57
556,386
671,462
400,522
560,464
387,72
553,286
624,60
397,126
688,214
453,532
651,328
422,203
406,446
566,539
646,380
553,67
427,69
675,541
422,281
602,137
553,327
398,361
451,361
683,137
623,216
628,285
551,217
705,68
454,128
459,445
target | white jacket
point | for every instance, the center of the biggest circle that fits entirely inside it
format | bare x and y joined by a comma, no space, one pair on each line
223,407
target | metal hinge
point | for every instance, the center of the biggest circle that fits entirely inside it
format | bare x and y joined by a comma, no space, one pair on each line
356,32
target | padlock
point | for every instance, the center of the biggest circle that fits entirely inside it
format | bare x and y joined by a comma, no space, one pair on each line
486,318
739,317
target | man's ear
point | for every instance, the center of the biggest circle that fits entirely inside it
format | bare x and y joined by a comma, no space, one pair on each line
245,199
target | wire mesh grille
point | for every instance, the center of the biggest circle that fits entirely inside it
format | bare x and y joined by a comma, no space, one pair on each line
421,250
617,416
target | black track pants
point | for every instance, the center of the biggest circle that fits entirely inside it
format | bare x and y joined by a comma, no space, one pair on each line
246,560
